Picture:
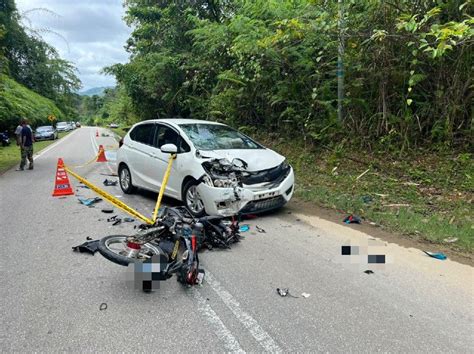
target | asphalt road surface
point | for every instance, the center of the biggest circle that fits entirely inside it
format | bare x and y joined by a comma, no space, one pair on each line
51,296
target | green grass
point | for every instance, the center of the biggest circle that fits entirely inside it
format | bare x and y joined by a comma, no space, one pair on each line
10,155
434,193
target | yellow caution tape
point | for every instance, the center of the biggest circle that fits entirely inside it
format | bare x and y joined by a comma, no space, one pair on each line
118,203
88,162
163,186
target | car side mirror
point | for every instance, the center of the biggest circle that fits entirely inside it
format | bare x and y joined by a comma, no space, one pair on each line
169,149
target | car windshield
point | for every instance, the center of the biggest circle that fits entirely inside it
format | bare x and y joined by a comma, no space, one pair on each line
44,129
217,137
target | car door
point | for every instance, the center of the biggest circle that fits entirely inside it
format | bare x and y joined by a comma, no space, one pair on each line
167,135
140,150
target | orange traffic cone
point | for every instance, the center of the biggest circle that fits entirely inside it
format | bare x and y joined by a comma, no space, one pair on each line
101,157
62,186
97,133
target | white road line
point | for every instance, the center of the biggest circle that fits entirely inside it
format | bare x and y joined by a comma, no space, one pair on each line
222,332
260,335
53,145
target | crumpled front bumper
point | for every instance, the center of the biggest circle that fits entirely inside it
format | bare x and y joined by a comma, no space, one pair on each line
231,201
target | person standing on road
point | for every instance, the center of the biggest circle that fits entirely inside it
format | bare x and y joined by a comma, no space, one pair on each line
26,146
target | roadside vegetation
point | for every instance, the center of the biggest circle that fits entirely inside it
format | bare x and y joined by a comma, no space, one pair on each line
10,155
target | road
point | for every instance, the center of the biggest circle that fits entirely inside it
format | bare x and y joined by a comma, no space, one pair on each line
51,295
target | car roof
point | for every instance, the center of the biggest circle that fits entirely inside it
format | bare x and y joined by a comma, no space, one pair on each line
178,121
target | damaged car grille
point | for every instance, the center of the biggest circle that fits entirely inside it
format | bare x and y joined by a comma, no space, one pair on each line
274,175
263,205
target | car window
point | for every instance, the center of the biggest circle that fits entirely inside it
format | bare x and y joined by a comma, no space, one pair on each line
143,133
217,137
167,135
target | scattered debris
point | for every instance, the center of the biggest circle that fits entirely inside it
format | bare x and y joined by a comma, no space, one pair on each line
382,195
352,219
103,306
112,218
89,201
259,229
117,221
83,186
110,183
108,210
89,247
396,205
200,277
110,174
128,220
373,223
368,271
362,174
450,239
452,220
285,292
437,255
244,228
88,238
305,295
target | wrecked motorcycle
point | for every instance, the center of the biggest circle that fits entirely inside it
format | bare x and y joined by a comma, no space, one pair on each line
172,242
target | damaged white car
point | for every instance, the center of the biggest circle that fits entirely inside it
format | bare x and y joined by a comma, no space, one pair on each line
217,170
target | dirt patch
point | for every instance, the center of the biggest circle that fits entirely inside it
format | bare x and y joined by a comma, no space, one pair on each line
306,208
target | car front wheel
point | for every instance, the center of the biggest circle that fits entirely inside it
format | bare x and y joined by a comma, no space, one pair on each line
193,200
125,178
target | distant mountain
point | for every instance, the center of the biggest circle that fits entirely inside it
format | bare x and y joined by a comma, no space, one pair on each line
99,91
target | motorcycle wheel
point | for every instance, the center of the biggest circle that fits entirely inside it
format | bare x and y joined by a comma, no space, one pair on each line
115,249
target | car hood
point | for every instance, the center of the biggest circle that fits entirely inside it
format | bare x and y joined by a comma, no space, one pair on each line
257,159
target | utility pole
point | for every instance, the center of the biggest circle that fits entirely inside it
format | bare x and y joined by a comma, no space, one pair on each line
340,63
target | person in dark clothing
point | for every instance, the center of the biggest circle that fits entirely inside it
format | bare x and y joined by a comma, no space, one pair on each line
26,145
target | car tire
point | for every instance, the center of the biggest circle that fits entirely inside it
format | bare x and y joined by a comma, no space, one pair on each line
192,200
125,180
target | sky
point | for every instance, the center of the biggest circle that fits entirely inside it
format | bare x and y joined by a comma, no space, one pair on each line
94,30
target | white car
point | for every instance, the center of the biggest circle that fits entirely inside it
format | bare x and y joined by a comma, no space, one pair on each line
217,170
62,127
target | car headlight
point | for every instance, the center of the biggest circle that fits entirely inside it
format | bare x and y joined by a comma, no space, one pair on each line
284,165
225,182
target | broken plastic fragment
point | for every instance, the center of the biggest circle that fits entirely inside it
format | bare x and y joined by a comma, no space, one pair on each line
259,229
305,295
89,201
285,292
89,247
244,228
110,183
437,255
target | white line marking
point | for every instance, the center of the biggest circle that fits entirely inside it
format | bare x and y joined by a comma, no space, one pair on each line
53,145
260,335
221,331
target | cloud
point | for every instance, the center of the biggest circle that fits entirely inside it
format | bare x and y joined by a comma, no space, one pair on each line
94,30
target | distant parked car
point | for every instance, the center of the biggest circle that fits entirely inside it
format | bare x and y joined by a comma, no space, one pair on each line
72,125
113,125
46,133
78,125
62,127
218,170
